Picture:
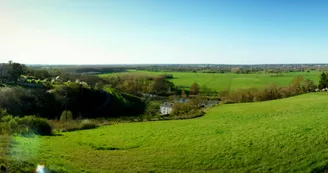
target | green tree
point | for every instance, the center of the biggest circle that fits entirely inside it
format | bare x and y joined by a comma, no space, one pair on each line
15,71
160,86
99,86
308,86
323,83
91,80
195,102
296,85
66,116
206,90
194,88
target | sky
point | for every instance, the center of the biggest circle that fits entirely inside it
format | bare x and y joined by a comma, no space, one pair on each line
163,31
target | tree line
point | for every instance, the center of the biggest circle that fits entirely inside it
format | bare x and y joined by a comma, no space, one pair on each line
270,92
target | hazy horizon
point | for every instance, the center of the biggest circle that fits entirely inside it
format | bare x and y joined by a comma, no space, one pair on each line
79,32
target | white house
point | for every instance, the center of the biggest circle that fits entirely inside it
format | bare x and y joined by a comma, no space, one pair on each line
166,108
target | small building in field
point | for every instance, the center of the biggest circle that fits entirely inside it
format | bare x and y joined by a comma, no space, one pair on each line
166,108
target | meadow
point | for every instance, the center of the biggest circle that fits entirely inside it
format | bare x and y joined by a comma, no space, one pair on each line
287,135
230,81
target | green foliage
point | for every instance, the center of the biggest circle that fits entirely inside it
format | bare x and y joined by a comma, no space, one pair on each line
3,112
73,125
206,90
270,92
91,80
40,73
66,116
87,124
180,109
15,71
99,86
152,108
124,104
287,135
194,88
35,125
25,125
80,99
19,102
323,83
160,86
137,84
65,126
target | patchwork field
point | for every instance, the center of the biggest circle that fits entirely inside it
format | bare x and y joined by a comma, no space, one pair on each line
288,135
231,81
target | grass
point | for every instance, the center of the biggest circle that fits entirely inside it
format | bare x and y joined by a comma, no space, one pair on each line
7,164
231,81
287,135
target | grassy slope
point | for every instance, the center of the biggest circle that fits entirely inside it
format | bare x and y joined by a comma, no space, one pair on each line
235,81
281,136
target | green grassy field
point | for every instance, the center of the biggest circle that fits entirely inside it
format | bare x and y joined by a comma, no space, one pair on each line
231,81
288,135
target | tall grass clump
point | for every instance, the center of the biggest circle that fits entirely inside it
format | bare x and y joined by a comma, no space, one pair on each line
73,125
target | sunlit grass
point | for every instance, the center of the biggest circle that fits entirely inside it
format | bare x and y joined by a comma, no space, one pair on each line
276,136
231,81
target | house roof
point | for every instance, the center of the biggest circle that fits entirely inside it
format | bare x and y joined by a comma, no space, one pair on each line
166,104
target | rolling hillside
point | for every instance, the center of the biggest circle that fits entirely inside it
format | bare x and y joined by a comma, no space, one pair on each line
288,135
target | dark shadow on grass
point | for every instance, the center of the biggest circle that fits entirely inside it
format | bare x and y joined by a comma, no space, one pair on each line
106,148
113,148
54,134
322,169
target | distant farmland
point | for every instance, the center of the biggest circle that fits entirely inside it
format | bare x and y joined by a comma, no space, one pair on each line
232,81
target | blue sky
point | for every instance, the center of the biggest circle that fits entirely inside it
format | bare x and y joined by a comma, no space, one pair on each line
170,31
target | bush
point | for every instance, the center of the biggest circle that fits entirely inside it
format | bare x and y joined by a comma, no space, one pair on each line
152,108
66,116
72,125
87,124
6,118
25,125
65,126
3,112
35,125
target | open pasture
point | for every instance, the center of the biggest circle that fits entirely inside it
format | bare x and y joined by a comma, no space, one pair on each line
287,135
232,81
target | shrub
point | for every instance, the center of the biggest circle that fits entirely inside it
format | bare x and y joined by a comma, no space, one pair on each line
6,118
65,126
25,125
66,116
180,109
72,125
152,108
87,124
35,125
3,112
